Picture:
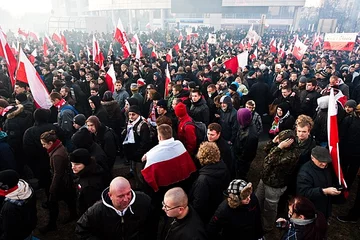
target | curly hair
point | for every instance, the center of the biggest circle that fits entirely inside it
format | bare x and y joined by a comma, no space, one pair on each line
208,153
304,120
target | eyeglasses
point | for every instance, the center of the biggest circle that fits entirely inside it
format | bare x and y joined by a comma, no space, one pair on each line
167,208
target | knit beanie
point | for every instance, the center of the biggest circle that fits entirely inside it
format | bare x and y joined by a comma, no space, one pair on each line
132,101
135,109
244,117
351,103
108,96
180,110
82,138
42,115
79,119
8,179
80,155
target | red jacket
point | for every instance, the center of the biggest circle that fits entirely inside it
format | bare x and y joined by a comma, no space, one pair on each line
187,134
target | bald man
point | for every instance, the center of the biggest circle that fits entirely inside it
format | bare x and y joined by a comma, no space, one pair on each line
183,223
122,214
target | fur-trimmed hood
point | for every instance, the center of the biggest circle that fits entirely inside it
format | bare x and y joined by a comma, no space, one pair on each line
15,111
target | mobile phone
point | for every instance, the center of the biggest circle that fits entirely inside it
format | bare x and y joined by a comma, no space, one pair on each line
340,188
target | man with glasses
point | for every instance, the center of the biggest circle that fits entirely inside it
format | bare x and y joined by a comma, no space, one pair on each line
121,214
183,222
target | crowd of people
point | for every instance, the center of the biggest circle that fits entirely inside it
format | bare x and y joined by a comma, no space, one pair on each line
188,141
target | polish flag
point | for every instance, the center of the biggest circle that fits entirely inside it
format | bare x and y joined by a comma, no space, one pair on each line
34,36
120,36
152,42
169,56
154,53
32,56
23,33
273,46
48,40
248,45
211,63
278,45
333,139
316,42
63,42
241,60
110,49
289,50
167,163
167,80
148,26
180,38
27,47
57,38
45,48
110,78
14,49
27,73
242,45
139,52
281,52
177,47
299,49
88,51
6,53
254,55
98,57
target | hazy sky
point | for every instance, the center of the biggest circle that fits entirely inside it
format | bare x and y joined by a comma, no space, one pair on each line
19,7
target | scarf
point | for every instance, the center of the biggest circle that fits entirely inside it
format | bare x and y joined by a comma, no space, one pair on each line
130,138
5,110
153,113
3,192
275,124
61,103
23,191
55,144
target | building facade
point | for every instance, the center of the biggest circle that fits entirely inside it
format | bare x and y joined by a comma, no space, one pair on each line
230,14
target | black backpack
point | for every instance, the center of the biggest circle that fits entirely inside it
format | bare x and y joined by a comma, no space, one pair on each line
200,131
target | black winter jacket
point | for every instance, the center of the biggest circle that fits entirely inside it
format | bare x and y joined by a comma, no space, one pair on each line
199,111
103,221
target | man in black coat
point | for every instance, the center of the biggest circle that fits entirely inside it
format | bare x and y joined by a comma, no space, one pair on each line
199,111
314,181
121,213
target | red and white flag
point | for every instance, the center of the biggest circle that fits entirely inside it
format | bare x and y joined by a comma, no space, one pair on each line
88,51
281,52
273,48
154,53
169,56
32,56
34,36
14,49
63,42
120,36
241,60
23,33
6,53
57,38
110,78
289,50
254,55
181,37
139,52
98,57
211,63
167,80
27,73
333,139
177,47
167,163
48,41
148,26
316,42
299,49
340,41
45,48
242,45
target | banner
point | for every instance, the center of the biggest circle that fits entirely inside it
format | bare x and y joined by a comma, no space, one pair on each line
339,41
212,38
